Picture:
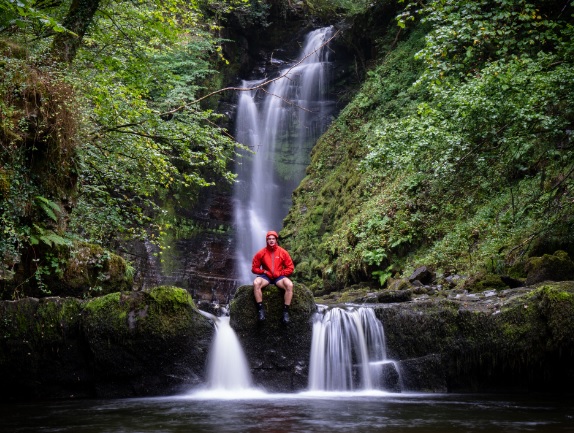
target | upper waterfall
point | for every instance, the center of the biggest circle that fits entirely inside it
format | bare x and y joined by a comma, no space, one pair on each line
279,124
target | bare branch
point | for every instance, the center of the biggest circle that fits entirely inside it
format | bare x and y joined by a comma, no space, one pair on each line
259,86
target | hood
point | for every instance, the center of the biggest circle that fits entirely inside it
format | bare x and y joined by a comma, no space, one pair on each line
272,233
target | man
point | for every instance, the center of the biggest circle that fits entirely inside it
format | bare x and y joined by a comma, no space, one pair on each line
273,265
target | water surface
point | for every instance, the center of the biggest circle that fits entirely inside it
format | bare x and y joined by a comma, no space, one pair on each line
286,413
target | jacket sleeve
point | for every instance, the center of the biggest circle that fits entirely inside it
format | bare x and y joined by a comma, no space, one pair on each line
288,266
256,265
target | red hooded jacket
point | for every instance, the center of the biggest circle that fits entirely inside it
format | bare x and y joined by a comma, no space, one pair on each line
274,262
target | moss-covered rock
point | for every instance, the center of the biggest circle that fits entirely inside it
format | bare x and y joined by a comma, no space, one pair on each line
549,267
146,342
118,345
42,354
524,341
484,281
278,353
90,270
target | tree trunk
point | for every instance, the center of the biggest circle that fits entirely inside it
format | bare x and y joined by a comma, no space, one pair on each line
80,16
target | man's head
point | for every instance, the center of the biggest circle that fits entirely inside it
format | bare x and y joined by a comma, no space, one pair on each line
271,238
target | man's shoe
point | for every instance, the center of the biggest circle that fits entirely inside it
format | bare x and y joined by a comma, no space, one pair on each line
285,318
260,315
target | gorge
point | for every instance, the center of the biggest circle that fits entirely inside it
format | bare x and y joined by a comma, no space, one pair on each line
436,203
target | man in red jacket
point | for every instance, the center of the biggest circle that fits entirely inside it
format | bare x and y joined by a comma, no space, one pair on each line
272,265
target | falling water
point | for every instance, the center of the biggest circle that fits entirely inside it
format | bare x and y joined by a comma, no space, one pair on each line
279,126
228,369
348,352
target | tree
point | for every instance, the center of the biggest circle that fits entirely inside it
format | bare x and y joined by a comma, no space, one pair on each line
79,17
130,72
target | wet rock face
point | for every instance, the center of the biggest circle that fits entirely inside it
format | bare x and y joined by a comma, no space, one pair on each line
518,340
201,262
145,343
278,354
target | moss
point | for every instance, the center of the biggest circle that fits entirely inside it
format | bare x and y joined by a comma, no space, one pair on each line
399,284
557,304
159,311
90,267
484,281
56,317
174,297
555,267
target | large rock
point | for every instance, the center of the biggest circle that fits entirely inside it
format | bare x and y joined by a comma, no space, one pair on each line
42,352
278,353
522,340
119,345
145,343
549,267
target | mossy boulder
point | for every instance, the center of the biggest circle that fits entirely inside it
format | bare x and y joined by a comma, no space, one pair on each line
42,353
119,345
146,342
399,284
484,281
278,353
82,270
549,267
522,342
89,270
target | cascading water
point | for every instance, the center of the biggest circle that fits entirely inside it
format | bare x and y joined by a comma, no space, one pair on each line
228,369
348,352
228,372
280,126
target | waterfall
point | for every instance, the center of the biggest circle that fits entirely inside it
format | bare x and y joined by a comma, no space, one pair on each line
279,126
228,369
348,352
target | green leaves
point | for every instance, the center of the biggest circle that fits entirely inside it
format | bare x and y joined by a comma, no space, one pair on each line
466,35
23,14
460,170
48,206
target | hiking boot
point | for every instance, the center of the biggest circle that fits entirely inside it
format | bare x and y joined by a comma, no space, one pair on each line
285,318
260,315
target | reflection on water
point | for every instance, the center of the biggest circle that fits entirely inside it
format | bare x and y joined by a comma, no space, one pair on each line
306,412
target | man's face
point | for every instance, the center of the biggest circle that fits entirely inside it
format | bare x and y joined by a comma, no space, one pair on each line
271,240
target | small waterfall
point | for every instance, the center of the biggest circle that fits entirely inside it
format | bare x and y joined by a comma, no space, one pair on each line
228,369
280,126
348,353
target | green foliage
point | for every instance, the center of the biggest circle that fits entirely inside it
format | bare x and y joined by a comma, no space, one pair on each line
113,135
330,8
466,35
26,13
460,162
139,101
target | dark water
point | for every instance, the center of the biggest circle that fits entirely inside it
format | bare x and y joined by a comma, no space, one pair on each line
273,413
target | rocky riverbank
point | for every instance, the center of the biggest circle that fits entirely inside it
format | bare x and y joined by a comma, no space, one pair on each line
156,342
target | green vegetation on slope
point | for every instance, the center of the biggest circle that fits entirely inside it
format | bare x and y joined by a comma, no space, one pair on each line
455,154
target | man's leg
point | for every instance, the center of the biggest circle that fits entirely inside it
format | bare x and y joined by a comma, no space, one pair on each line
287,285
258,284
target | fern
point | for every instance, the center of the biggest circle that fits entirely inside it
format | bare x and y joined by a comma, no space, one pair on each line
48,237
48,206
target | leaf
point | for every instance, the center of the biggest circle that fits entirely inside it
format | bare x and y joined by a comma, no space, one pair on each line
48,207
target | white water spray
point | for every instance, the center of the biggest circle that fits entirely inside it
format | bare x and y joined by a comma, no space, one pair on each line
280,126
